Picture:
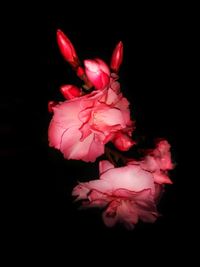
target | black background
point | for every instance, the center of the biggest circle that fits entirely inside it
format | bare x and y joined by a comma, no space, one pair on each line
152,79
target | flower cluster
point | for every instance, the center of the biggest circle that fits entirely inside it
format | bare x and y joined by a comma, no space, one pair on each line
131,192
88,119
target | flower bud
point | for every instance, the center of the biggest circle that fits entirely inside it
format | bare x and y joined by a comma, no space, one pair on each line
51,104
70,91
97,72
117,57
122,141
67,49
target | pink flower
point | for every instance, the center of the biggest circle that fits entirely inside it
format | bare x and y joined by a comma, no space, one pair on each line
158,162
126,193
97,72
67,49
82,126
117,57
70,91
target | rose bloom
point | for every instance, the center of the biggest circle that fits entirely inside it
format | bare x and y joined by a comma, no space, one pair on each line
126,193
81,126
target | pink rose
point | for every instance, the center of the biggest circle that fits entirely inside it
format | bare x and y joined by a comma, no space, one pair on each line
126,193
82,126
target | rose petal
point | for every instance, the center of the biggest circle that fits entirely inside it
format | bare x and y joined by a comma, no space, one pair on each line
161,178
130,177
105,165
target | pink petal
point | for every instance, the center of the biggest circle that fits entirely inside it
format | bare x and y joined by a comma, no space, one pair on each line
147,216
96,149
159,190
85,131
123,104
149,164
98,199
108,116
61,122
66,113
97,203
127,214
80,191
163,155
115,87
165,162
130,177
55,133
161,178
124,193
105,165
73,148
110,214
163,146
112,97
103,66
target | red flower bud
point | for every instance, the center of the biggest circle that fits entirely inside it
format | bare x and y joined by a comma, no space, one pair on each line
117,57
67,49
51,104
97,72
122,141
70,91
